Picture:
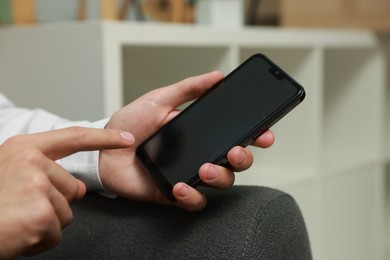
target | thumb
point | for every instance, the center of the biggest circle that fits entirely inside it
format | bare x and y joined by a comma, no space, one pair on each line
82,190
187,89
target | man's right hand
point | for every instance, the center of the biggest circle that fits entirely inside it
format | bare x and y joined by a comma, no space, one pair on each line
35,192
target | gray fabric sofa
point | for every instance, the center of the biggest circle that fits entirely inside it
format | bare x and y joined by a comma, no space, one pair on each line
244,222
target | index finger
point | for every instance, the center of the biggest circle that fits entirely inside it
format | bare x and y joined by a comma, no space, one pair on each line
265,140
60,143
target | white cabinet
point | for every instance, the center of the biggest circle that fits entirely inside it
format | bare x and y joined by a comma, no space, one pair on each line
330,153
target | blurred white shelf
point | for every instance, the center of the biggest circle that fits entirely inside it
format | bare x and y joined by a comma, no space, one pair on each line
330,153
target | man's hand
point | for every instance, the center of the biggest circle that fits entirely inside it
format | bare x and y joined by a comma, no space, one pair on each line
120,171
35,192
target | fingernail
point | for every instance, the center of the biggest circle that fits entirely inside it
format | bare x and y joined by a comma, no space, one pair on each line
212,173
128,137
242,158
183,191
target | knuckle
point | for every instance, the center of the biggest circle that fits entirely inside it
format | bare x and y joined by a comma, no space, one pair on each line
45,214
32,156
41,222
17,141
32,162
40,183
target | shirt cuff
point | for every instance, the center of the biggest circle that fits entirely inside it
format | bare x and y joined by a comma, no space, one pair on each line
85,165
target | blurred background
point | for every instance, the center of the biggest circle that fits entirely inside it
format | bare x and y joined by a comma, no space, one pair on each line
370,14
84,59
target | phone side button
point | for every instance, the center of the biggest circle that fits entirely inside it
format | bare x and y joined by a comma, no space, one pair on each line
258,135
247,142
225,163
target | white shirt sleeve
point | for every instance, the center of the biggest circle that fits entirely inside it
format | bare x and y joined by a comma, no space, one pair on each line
15,121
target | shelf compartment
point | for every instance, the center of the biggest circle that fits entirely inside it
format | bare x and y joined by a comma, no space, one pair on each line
148,67
353,107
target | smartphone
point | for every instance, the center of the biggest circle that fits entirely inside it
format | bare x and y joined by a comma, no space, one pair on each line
234,112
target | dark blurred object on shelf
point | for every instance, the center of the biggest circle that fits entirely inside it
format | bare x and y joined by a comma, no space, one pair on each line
261,12
36,11
177,11
361,14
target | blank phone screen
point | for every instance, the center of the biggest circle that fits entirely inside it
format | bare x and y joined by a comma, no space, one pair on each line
219,120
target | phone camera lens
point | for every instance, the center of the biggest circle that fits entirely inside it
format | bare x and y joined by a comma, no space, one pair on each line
276,73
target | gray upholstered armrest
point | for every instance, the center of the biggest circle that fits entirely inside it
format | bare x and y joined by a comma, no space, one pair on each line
244,222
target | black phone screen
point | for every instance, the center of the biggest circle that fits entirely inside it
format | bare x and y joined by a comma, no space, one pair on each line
233,112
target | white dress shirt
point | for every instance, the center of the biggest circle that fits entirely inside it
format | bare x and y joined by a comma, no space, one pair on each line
15,121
